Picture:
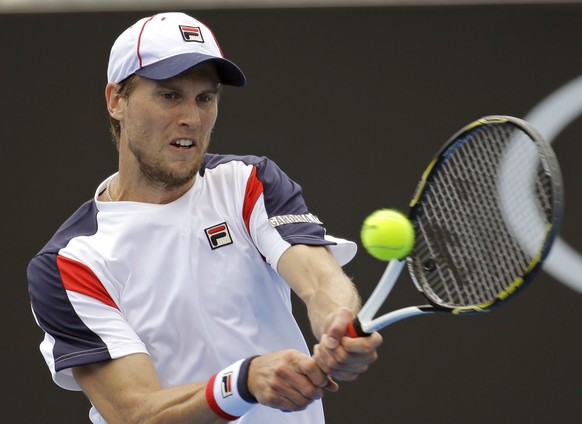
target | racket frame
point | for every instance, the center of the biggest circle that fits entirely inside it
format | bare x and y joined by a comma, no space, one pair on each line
364,324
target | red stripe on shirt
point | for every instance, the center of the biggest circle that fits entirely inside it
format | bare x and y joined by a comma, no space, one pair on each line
252,193
79,278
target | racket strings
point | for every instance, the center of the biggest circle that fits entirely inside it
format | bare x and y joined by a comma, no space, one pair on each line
480,222
472,193
455,247
474,184
543,186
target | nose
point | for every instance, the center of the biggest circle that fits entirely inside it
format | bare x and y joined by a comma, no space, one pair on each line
189,115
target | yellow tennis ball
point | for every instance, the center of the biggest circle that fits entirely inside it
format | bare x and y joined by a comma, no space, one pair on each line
387,234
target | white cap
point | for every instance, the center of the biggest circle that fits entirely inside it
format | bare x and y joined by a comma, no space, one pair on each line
165,45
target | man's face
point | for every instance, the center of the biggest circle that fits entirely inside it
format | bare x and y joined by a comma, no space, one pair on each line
166,126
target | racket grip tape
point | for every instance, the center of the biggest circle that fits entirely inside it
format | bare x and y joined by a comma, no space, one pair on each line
355,329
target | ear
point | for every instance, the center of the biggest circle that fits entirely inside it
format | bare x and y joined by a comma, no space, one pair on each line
114,101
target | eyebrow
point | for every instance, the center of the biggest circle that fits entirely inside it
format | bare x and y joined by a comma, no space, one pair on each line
174,84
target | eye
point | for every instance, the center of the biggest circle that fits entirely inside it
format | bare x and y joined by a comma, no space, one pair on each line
170,95
205,98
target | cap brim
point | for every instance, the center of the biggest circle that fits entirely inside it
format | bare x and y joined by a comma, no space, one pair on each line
228,72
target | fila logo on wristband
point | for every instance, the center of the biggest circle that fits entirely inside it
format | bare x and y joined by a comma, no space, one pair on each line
226,386
227,393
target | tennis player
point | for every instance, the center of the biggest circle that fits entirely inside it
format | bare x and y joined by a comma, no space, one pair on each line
166,297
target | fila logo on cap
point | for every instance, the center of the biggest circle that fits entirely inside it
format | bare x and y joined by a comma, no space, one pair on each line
218,236
191,33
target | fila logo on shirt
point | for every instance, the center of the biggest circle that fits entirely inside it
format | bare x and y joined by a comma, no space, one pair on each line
218,236
190,33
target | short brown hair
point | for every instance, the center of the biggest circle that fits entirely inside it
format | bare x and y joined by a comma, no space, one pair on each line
125,88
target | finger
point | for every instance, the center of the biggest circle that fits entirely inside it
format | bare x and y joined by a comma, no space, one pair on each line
336,369
305,380
291,392
301,391
362,345
340,356
313,372
329,341
332,359
324,358
337,328
331,385
277,380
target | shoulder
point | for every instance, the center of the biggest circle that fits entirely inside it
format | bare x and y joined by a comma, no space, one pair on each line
82,223
43,268
264,168
213,161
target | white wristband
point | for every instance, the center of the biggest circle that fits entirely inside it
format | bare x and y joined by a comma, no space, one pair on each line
227,393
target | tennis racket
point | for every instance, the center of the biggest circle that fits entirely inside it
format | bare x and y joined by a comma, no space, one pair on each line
485,214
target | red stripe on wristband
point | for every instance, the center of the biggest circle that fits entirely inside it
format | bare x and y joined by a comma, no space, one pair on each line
212,401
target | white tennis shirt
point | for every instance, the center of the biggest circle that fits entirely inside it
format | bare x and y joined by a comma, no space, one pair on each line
192,283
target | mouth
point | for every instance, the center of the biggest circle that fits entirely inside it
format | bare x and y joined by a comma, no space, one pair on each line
183,143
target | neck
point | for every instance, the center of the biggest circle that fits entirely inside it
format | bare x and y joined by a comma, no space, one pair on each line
123,188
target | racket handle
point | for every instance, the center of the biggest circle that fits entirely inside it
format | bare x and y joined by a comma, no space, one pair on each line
355,329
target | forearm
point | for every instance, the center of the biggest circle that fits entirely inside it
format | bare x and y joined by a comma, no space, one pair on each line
334,293
182,404
320,282
127,390
332,301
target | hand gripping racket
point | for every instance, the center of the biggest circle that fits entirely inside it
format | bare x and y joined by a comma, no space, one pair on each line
485,214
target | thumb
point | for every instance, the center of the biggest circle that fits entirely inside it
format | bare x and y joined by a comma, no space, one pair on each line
337,328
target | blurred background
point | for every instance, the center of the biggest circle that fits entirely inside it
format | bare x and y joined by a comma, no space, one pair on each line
351,99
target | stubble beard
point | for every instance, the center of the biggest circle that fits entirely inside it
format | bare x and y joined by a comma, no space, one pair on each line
155,173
